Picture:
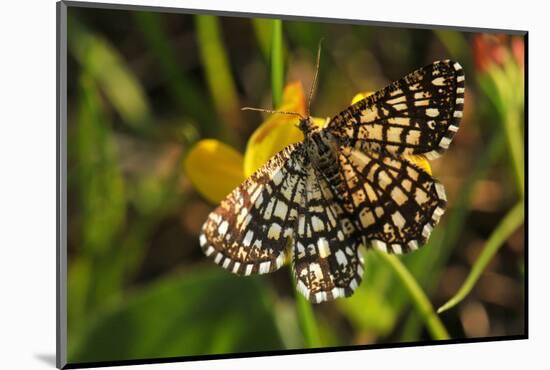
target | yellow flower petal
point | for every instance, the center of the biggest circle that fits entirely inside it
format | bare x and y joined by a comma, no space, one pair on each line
277,131
321,122
294,99
360,96
419,161
214,169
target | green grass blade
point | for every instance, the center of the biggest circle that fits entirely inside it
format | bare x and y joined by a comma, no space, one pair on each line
217,70
277,62
509,224
306,319
111,73
263,31
424,307
185,92
503,85
515,144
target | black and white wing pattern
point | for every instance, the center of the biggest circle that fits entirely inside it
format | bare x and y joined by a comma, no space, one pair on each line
326,260
249,231
286,207
395,204
418,114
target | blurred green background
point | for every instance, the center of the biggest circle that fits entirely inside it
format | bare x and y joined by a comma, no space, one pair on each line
143,87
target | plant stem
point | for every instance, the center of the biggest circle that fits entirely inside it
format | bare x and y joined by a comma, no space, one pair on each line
509,224
218,72
515,144
306,318
185,92
263,30
421,302
277,64
509,104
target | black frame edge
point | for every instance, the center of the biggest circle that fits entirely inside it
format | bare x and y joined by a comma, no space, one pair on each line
61,193
526,178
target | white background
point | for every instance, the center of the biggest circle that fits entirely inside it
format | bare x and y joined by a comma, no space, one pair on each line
27,182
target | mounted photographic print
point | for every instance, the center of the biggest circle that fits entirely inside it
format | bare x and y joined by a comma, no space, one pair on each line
237,185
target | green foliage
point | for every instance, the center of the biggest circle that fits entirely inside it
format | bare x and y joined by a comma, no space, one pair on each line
277,62
369,308
101,202
102,190
508,225
217,70
504,86
194,313
107,67
421,302
263,29
185,92
308,323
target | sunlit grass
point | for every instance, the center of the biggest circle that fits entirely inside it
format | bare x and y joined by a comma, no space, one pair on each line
218,73
277,62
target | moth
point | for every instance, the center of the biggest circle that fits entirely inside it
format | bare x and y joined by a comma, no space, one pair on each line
347,184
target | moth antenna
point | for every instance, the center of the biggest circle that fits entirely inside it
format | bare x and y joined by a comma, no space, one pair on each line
314,84
273,111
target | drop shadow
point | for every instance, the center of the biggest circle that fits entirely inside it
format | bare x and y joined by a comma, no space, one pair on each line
47,358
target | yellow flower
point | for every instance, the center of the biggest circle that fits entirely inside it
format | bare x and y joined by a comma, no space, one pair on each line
215,168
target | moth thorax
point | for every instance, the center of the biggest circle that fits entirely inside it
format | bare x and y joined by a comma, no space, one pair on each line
307,126
321,150
323,153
